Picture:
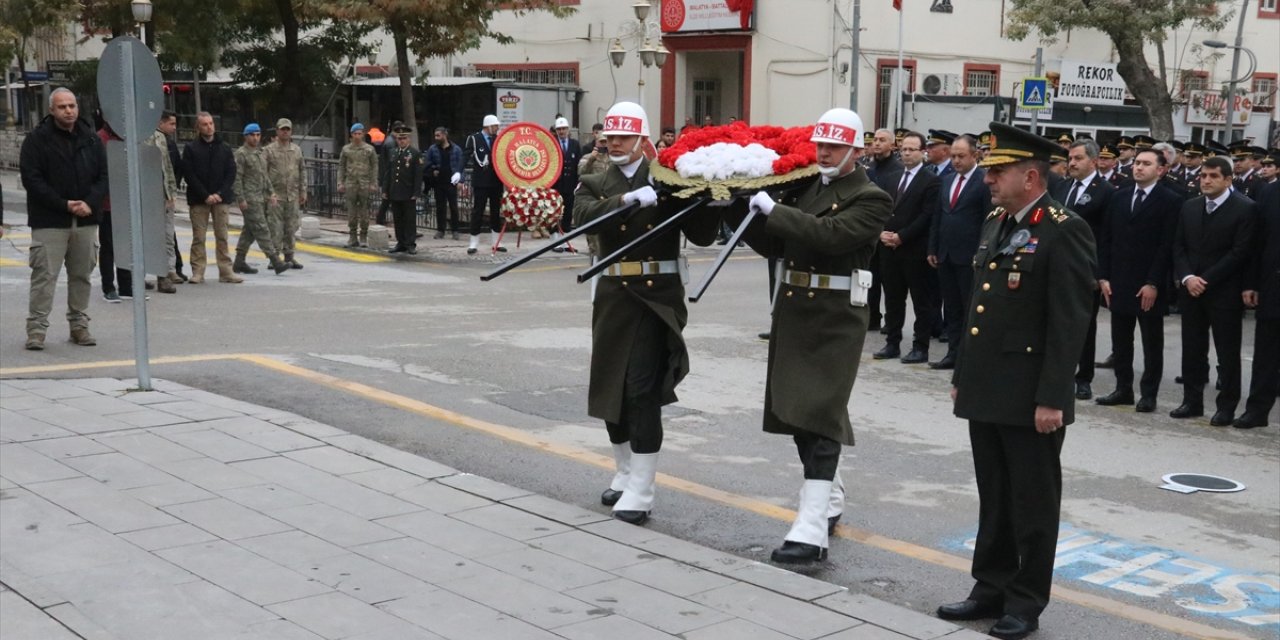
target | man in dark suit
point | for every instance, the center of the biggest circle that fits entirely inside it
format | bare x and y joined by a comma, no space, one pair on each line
885,171
938,148
964,200
1086,195
903,246
571,153
1262,292
486,189
1134,250
1211,250
1024,330
401,183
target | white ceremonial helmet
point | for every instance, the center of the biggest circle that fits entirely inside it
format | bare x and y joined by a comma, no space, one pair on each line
561,122
626,119
839,126
491,120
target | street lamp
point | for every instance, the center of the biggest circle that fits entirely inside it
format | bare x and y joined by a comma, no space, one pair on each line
1235,68
141,15
645,34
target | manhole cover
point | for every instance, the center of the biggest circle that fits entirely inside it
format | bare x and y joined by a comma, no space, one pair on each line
1193,482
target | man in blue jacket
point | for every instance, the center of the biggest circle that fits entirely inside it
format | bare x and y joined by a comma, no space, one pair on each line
443,173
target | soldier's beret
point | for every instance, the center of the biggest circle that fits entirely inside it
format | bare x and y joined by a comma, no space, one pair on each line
252,127
1010,145
357,127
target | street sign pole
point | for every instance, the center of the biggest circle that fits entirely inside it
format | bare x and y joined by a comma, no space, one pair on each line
1035,115
132,134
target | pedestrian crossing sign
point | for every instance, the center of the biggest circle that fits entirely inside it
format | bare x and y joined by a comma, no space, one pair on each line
1034,94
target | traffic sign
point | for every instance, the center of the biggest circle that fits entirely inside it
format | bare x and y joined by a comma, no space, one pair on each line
1044,114
145,94
1034,93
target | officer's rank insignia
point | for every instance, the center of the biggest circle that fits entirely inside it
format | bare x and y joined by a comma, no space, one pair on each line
1037,215
1030,246
1059,216
1015,281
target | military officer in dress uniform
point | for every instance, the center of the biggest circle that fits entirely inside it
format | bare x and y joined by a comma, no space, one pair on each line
1125,162
824,242
984,144
1034,283
637,353
401,184
1064,140
1178,169
938,152
571,154
1192,158
486,188
1107,165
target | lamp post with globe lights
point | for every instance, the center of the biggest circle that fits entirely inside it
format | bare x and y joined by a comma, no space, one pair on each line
141,15
648,37
1229,136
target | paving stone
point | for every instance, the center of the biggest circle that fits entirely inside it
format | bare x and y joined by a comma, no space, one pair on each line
442,499
59,390
696,555
326,488
26,401
648,606
147,447
889,616
334,460
19,427
31,588
966,634
295,550
510,522
215,400
209,474
118,471
361,578
735,629
458,618
102,405
266,497
21,465
264,434
421,560
558,511
110,509
226,519
22,620
159,384
191,611
785,582
277,630
148,417
547,569
144,572
778,612
70,447
304,426
536,605
334,525
337,615
451,535
175,492
6,484
104,386
483,487
391,456
676,578
52,549
149,397
387,480
243,573
174,535
614,628
177,427
619,531
76,420
72,618
219,446
198,411
868,632
592,550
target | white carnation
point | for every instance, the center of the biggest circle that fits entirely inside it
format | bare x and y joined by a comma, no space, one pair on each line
723,160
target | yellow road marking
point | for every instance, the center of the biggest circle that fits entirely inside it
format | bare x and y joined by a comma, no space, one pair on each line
901,547
10,262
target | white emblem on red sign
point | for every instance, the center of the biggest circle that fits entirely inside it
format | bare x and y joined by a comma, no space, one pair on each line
622,123
834,132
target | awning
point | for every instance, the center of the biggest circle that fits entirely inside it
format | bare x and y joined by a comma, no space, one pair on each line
449,81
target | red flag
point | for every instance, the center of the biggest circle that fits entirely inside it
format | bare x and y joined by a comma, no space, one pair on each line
897,5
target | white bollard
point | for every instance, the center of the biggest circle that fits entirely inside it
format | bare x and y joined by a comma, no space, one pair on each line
379,237
309,229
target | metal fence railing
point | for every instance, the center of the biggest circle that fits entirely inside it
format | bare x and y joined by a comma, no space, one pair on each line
323,198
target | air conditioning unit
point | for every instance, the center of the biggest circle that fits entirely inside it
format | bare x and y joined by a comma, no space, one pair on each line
942,84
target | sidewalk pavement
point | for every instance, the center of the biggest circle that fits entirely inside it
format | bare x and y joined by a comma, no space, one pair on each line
177,513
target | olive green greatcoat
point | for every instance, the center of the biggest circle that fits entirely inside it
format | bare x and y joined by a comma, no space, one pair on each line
817,334
1027,318
621,301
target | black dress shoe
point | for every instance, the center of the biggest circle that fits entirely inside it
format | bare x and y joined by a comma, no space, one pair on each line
798,553
610,497
969,610
916,356
831,524
396,249
1116,397
1145,405
765,335
1083,391
1012,627
632,517
1249,421
889,351
413,251
471,251
1222,418
1109,363
947,362
502,249
1177,380
1185,410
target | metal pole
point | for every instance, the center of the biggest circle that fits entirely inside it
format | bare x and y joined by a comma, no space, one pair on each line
854,55
1035,115
195,80
133,146
898,93
1235,69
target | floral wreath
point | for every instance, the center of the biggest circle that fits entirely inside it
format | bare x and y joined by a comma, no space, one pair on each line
532,209
736,156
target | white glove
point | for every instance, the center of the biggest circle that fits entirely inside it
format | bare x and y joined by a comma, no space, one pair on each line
645,195
456,178
762,203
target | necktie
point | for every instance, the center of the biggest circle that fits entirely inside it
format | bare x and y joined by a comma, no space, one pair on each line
1137,200
1071,199
564,144
1006,227
902,185
955,193
1209,206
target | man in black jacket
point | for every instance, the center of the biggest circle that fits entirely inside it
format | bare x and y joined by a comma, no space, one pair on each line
885,171
1134,250
1262,292
64,170
1210,253
210,170
903,243
964,202
571,153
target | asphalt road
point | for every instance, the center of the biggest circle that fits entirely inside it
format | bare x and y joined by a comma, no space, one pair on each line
1135,561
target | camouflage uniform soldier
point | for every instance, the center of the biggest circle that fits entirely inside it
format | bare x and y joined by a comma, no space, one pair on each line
284,165
253,192
357,178
160,141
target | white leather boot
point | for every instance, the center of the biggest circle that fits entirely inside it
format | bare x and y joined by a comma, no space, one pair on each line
622,462
835,508
637,498
807,540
